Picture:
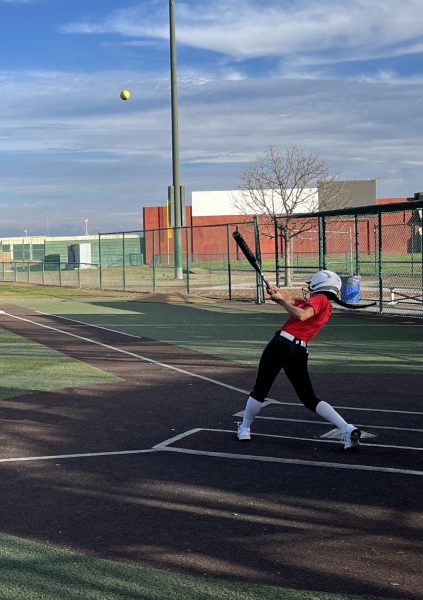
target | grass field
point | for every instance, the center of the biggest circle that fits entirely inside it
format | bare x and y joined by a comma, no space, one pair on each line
41,571
27,366
32,571
217,329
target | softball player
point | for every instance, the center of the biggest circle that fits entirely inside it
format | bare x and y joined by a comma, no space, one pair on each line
287,350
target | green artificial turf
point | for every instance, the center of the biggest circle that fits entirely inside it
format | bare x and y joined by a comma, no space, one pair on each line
27,366
347,344
34,571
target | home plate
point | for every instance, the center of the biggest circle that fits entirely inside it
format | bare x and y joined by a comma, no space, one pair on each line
335,434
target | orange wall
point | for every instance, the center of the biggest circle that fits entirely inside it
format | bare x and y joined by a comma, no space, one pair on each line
213,240
390,200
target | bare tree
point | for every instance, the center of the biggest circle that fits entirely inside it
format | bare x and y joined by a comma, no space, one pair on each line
276,186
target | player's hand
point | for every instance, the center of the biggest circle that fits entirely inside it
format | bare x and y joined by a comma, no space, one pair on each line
277,295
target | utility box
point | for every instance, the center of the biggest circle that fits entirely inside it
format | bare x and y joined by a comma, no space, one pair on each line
52,262
79,256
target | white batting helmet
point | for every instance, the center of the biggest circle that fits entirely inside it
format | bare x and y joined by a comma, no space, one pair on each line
325,281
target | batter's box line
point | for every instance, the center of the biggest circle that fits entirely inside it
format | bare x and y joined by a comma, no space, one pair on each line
75,455
325,424
356,408
165,446
172,440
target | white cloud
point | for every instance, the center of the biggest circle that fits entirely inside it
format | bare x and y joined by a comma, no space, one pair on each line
87,144
68,141
275,28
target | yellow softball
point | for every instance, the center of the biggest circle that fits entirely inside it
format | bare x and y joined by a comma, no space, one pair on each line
125,94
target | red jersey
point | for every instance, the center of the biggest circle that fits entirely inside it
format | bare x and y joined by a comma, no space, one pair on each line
305,330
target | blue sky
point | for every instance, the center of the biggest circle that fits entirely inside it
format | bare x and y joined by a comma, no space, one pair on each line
343,78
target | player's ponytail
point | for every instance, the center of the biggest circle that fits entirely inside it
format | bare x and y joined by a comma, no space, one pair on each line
329,283
334,298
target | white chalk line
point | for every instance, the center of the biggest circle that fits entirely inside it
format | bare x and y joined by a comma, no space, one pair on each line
165,447
292,461
323,423
167,366
298,438
127,352
79,455
361,409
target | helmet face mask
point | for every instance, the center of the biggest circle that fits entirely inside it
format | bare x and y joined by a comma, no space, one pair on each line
325,281
305,292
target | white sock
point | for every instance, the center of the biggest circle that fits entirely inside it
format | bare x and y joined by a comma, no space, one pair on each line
326,411
252,408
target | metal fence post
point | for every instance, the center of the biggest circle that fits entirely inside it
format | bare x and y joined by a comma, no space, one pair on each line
99,262
322,242
228,259
123,263
357,246
276,251
187,258
380,258
421,257
154,260
259,281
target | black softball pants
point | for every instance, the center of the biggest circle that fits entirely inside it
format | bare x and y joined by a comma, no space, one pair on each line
281,353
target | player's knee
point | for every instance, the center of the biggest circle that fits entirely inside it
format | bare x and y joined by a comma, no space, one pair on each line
310,403
257,395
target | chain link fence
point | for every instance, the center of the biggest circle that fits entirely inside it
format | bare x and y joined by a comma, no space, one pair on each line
377,249
143,261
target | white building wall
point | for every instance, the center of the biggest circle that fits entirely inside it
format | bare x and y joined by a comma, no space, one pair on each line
220,203
207,204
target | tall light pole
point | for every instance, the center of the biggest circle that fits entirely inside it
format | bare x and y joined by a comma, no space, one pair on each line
177,234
